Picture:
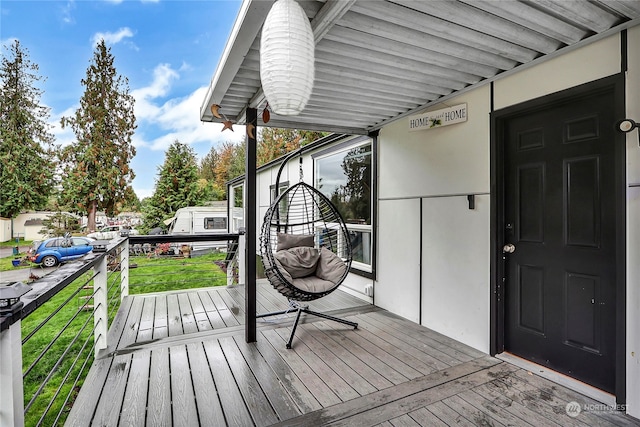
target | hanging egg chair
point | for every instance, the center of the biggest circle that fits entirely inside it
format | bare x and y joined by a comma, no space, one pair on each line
305,247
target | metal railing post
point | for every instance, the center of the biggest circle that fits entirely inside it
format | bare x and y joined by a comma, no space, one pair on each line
12,387
241,258
124,270
100,297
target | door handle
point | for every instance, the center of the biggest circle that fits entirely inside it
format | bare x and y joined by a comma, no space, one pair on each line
509,248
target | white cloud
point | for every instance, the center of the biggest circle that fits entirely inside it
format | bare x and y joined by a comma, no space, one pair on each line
179,118
64,136
66,10
112,38
144,108
144,192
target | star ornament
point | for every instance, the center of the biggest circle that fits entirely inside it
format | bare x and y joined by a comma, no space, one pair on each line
227,124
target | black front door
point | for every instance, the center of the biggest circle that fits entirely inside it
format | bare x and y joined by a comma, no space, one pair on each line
559,214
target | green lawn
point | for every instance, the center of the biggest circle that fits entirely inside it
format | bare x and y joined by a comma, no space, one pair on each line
11,243
166,273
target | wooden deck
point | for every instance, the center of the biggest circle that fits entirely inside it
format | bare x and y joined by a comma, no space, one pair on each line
180,359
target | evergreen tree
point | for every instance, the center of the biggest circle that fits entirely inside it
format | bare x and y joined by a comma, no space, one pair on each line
178,185
26,160
96,167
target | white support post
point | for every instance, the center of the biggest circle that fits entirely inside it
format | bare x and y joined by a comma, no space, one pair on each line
242,247
100,314
124,270
11,388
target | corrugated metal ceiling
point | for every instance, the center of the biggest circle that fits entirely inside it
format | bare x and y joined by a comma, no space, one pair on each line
379,60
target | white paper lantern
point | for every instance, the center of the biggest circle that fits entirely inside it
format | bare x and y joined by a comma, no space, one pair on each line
287,58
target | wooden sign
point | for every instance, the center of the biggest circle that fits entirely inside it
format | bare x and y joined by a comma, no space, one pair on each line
438,118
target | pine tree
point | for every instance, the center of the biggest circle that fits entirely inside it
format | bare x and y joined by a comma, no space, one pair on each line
96,167
26,160
178,186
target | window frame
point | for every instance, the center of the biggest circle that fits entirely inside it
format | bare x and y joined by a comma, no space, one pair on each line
213,220
358,268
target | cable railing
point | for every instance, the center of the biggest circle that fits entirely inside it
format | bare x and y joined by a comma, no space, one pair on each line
50,335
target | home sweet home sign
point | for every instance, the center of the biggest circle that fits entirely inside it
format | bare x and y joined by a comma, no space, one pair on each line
438,118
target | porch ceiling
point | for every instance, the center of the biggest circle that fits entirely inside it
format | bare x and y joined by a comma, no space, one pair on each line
377,61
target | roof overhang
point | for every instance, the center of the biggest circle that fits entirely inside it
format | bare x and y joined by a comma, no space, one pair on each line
378,61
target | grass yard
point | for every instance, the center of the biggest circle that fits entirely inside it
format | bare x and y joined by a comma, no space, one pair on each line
65,361
11,243
168,273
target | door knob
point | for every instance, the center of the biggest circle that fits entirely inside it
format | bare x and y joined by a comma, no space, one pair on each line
509,248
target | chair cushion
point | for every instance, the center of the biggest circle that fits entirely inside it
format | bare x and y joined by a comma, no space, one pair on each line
312,284
330,266
299,261
286,241
282,271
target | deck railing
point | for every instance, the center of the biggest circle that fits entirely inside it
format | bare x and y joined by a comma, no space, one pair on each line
50,335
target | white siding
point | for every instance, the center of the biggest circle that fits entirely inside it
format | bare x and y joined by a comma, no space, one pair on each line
398,281
441,167
448,160
5,229
599,59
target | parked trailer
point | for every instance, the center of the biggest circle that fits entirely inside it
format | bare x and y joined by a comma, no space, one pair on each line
195,220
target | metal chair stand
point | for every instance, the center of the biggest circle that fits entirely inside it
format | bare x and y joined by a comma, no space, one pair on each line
304,308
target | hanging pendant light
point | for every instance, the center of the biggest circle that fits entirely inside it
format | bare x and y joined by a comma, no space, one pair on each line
287,58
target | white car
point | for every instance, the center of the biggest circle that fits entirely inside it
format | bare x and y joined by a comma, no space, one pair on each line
112,231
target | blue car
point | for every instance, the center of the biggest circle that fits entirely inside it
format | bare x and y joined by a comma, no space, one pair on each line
52,252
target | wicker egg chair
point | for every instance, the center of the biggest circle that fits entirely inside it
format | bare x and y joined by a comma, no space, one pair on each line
305,248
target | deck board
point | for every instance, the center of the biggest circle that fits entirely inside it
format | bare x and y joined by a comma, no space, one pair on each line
161,323
236,412
321,391
276,393
134,405
130,330
384,361
109,406
225,312
159,396
183,401
424,418
297,390
174,316
414,347
180,359
257,402
326,373
215,319
347,373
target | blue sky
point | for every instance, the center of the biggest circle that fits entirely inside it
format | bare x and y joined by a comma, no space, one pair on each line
167,49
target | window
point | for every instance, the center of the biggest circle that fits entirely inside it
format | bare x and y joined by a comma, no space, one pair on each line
54,243
284,203
215,223
236,206
345,177
281,189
